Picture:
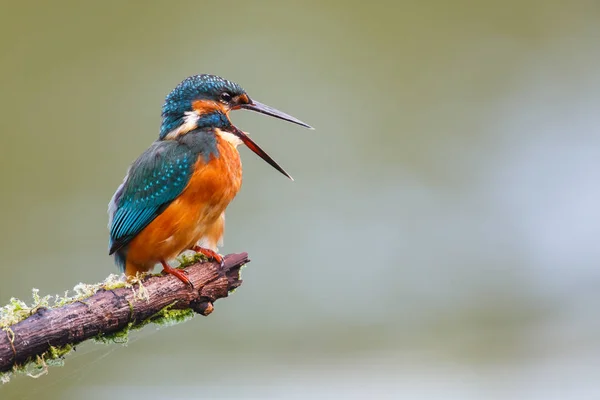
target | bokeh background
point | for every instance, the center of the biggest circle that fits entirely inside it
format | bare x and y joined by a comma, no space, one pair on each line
440,240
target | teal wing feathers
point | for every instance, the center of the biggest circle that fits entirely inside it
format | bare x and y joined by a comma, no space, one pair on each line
154,180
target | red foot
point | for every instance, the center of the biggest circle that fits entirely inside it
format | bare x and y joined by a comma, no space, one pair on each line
210,254
176,272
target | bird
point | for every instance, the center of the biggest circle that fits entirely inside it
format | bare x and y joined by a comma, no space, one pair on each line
174,195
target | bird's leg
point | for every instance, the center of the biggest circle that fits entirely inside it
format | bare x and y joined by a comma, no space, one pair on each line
176,272
210,254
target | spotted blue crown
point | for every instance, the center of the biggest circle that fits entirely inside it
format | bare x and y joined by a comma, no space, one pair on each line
196,87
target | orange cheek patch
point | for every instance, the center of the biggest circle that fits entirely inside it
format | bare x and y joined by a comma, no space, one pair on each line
208,106
244,99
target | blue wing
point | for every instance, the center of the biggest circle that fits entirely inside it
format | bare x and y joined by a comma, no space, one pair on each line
154,180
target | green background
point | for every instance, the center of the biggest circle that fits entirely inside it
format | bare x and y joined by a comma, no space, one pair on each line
440,240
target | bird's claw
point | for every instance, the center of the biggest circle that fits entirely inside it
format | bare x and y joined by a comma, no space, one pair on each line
178,273
212,255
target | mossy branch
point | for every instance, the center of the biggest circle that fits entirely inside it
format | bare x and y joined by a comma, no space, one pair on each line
43,334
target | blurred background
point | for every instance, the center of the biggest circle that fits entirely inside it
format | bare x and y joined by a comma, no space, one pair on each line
440,240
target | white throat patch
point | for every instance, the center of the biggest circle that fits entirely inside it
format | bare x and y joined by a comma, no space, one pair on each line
229,137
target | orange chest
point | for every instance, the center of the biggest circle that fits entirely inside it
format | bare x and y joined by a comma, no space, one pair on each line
215,182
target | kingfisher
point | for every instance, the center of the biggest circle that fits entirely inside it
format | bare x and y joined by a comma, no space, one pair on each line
174,196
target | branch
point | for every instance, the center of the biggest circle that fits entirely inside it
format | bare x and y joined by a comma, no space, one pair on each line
108,315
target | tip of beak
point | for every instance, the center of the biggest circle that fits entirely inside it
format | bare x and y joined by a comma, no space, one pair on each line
303,124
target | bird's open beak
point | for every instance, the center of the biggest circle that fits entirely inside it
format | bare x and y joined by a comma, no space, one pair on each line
260,152
264,109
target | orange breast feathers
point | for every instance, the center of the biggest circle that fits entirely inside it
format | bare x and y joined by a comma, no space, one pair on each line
192,216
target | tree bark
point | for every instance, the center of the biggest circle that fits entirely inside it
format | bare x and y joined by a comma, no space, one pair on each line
111,311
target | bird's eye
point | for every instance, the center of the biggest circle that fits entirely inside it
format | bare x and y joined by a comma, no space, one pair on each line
226,97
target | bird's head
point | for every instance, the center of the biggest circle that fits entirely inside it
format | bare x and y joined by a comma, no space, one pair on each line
204,101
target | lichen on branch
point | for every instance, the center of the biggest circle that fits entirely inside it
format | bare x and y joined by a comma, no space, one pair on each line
35,336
